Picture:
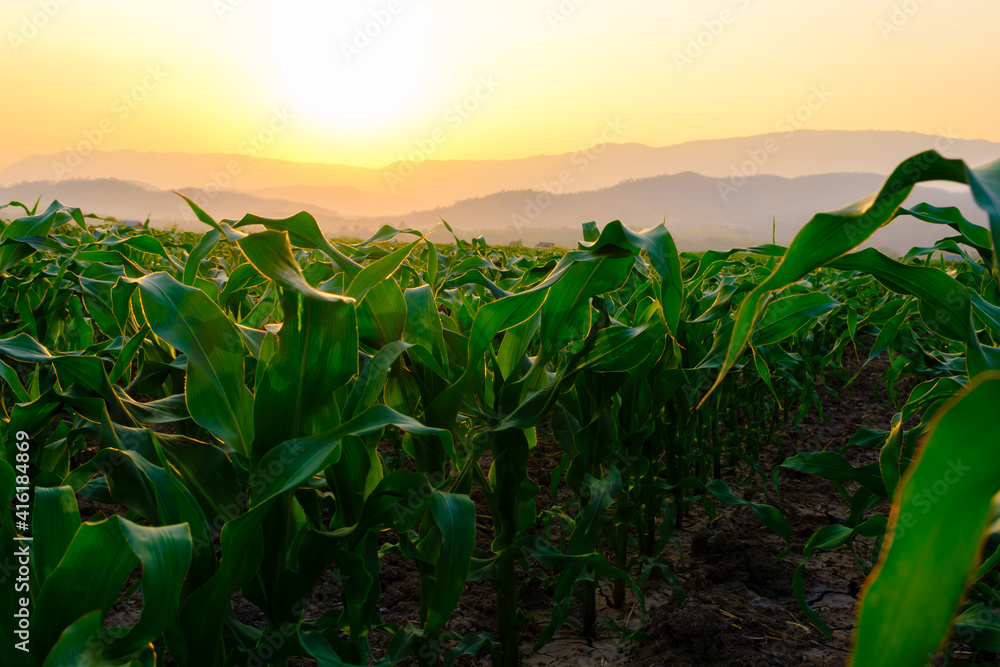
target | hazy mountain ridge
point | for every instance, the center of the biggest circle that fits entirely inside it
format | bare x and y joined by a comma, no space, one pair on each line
434,183
689,203
692,208
345,200
125,200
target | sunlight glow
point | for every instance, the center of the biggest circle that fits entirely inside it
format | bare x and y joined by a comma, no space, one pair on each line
369,76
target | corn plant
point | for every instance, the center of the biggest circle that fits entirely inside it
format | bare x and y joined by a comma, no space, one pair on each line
263,402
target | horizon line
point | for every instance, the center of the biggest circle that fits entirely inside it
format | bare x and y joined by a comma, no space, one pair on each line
514,159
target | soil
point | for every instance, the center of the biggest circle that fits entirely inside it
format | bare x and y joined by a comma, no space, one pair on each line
738,607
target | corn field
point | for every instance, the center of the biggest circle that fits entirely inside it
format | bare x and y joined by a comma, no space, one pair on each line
269,407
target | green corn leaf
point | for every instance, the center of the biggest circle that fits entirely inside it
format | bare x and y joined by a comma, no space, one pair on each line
124,361
423,323
203,613
834,467
9,375
199,213
765,373
93,570
304,232
771,517
889,456
945,305
829,235
619,348
785,316
979,625
207,473
198,253
455,515
295,461
87,372
189,321
271,253
97,299
944,504
951,216
377,272
566,313
491,319
514,346
55,521
12,249
366,391
888,333
81,643
165,554
317,350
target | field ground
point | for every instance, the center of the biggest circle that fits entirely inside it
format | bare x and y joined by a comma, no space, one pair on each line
597,393
739,609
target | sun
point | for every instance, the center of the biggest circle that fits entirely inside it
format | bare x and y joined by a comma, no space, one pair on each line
349,68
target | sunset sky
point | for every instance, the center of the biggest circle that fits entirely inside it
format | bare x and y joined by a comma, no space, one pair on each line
368,83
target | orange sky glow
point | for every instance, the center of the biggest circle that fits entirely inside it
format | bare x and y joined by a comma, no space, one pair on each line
369,83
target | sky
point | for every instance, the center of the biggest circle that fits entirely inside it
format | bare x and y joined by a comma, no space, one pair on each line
370,83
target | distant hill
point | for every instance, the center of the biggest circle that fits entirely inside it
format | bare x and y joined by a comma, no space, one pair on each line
402,187
347,201
690,204
692,208
126,200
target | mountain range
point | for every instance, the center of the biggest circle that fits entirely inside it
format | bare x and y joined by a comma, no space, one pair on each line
716,193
